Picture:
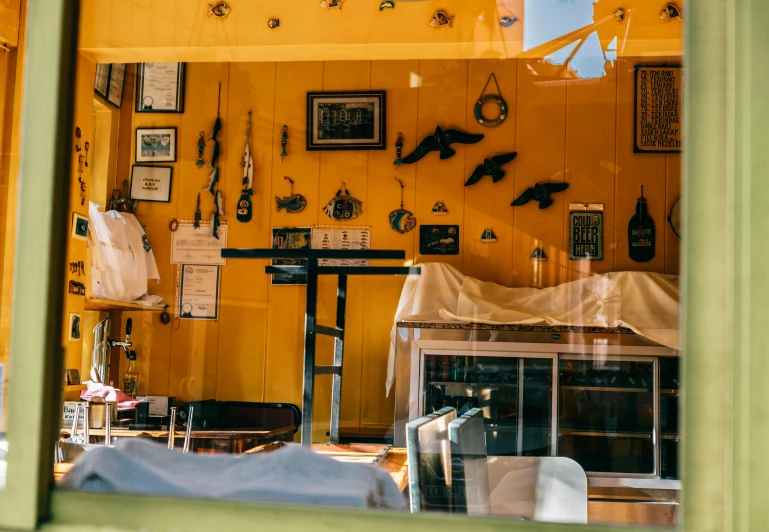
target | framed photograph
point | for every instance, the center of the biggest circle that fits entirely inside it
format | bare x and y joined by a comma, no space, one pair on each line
290,238
160,88
74,326
151,183
115,89
439,239
155,145
101,84
79,226
346,120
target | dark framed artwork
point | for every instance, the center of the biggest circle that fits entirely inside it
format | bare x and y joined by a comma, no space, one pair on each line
658,109
290,238
151,183
109,82
346,120
159,88
155,145
439,239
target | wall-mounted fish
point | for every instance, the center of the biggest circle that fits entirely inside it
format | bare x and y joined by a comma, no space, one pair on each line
441,20
220,10
540,193
328,4
387,4
198,214
218,211
292,204
492,167
506,22
440,141
343,206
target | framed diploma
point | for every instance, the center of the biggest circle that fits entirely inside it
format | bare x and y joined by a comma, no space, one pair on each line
115,89
160,88
101,84
198,292
151,183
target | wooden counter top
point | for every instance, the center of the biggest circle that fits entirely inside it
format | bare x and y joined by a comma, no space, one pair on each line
195,434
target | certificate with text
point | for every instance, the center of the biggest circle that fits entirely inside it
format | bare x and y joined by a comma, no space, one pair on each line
199,292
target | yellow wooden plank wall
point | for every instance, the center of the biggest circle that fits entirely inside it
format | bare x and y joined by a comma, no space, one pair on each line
578,131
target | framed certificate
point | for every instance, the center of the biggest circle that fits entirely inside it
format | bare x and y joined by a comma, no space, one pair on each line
101,83
160,88
115,89
198,292
151,183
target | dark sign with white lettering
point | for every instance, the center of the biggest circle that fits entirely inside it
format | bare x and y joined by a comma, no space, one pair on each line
658,107
586,235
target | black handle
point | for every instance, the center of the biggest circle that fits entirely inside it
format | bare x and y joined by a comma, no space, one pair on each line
128,325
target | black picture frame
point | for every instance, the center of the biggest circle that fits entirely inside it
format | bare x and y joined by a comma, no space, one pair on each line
140,104
365,136
637,70
141,158
143,172
113,77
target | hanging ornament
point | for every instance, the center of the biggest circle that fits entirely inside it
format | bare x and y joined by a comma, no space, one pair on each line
398,147
218,122
247,163
213,179
439,209
488,235
283,142
495,98
343,206
670,12
198,214
273,23
402,220
218,211
201,147
538,255
293,203
328,4
87,146
441,20
640,232
386,4
219,11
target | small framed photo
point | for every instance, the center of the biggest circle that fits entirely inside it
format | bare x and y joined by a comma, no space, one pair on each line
101,83
346,120
155,145
74,326
160,88
151,183
79,226
116,78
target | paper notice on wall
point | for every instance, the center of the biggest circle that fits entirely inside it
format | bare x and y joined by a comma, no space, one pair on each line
335,237
198,246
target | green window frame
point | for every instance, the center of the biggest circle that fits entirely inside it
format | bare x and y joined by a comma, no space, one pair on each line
725,289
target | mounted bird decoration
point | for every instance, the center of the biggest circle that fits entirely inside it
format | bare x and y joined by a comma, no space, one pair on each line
492,167
540,193
440,141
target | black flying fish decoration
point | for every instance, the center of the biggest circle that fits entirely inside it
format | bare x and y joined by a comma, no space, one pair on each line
541,193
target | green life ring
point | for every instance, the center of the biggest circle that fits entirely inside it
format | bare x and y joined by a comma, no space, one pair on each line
490,122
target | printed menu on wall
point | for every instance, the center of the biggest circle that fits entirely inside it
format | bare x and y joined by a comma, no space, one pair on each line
335,237
658,109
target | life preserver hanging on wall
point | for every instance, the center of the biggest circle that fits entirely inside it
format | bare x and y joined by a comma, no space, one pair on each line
497,99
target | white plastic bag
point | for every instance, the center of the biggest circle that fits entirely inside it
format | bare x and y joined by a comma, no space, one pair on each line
121,256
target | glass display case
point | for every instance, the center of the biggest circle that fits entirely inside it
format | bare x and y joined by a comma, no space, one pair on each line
610,406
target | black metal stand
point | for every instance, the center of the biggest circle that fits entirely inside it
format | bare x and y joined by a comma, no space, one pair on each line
312,270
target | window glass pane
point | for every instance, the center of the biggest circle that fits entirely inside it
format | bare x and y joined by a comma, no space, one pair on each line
535,148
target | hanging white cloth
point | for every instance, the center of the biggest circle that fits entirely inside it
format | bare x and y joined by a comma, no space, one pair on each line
122,261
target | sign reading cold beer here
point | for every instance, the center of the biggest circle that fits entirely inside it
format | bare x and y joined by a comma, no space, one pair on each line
658,118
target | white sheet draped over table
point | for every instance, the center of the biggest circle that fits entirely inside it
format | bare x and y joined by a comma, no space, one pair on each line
647,303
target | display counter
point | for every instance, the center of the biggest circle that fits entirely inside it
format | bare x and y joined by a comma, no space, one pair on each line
605,397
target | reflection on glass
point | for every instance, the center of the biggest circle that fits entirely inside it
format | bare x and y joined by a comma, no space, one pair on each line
514,395
606,415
